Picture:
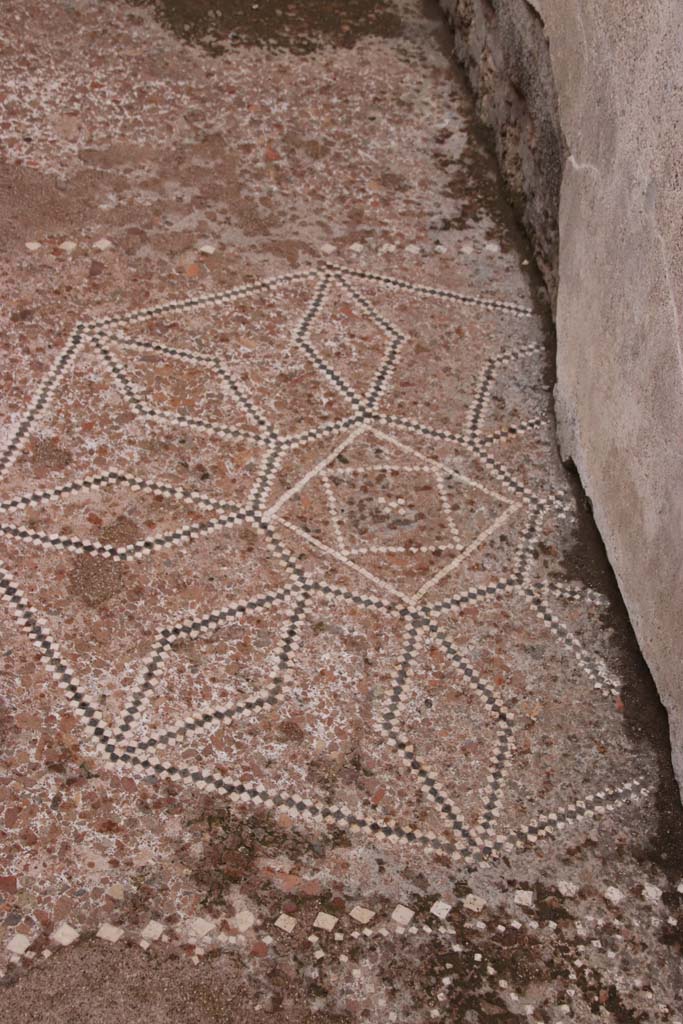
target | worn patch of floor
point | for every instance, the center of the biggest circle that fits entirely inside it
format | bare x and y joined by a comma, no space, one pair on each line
317,700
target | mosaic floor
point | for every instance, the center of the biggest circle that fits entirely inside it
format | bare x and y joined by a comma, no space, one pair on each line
313,670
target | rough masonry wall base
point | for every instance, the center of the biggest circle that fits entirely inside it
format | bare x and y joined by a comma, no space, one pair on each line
583,103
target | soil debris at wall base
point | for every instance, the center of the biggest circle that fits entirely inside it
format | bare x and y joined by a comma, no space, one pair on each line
310,708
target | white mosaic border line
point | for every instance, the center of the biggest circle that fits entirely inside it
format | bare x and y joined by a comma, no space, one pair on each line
145,688
137,550
148,412
390,727
472,442
238,792
423,461
340,937
276,283
45,391
202,361
498,305
395,342
108,479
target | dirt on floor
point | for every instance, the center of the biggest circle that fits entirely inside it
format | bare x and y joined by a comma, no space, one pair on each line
318,701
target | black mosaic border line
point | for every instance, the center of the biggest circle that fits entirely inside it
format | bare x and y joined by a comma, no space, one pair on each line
270,696
194,628
301,339
129,552
190,629
95,725
544,825
259,492
397,339
293,441
148,412
593,668
30,622
308,809
393,608
504,746
391,728
473,596
419,428
500,473
207,299
102,480
200,360
440,293
43,396
504,434
486,380
528,545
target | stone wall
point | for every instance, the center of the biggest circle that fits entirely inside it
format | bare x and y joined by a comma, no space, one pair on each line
505,54
586,103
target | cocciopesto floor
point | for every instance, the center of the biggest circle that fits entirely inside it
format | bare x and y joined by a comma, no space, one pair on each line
317,700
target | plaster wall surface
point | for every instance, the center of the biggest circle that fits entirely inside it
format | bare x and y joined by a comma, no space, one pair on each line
586,102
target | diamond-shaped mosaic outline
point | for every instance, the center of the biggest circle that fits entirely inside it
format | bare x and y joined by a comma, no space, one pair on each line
421,463
483,841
